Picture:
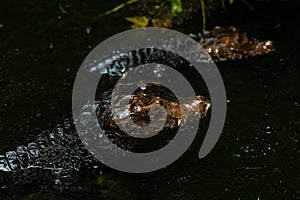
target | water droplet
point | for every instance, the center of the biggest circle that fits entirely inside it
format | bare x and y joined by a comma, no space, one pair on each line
85,118
275,170
88,30
268,130
57,182
245,149
236,155
143,87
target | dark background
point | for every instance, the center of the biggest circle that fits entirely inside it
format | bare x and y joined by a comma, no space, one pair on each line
258,154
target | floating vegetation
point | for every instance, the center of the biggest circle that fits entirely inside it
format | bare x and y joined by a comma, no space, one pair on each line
166,13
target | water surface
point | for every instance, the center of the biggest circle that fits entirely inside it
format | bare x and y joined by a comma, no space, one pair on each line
258,154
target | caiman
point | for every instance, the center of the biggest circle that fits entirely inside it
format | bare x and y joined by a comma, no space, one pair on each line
228,43
62,152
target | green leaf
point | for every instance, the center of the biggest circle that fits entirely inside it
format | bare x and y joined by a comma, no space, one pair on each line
118,7
138,21
176,6
231,1
203,15
62,10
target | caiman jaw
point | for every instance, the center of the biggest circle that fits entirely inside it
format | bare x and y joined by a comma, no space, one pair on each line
206,106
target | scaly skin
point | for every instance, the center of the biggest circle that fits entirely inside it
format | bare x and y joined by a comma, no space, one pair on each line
56,150
137,107
61,150
228,43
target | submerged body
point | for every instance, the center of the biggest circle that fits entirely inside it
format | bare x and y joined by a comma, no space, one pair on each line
61,150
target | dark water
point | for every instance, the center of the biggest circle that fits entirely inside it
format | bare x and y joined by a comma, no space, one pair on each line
258,154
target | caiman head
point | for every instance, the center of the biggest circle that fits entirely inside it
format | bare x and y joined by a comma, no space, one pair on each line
194,109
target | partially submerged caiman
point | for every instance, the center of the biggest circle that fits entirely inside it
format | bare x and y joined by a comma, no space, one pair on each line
61,150
228,43
151,107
